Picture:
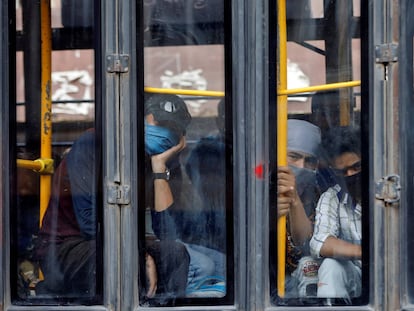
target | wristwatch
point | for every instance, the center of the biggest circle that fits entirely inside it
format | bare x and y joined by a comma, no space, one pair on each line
165,175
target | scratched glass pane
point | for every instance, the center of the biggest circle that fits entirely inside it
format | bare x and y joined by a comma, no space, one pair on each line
186,240
54,217
319,205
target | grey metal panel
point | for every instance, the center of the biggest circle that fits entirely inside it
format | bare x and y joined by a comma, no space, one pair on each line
57,308
376,160
129,146
393,167
240,166
257,136
111,157
250,101
193,308
383,159
406,149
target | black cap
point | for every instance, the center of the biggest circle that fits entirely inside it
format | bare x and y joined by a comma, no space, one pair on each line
169,110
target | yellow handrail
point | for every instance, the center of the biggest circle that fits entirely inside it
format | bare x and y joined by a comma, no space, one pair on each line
46,102
30,165
183,92
316,88
280,92
282,112
44,166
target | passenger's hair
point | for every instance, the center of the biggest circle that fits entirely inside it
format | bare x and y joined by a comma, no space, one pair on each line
340,140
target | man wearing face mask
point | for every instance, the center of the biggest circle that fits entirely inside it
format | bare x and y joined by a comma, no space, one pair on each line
170,221
337,233
297,197
66,244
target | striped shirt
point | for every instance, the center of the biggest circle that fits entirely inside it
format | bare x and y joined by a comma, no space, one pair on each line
336,216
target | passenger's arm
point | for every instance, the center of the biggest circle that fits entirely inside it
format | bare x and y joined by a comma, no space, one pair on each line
289,203
300,225
324,242
152,278
336,248
163,197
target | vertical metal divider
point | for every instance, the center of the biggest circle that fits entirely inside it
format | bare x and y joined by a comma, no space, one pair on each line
382,160
111,154
405,110
392,157
251,97
128,146
237,75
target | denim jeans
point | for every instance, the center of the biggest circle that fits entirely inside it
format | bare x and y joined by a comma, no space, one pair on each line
204,262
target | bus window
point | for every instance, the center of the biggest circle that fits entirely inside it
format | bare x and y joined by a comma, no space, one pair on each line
187,138
55,244
316,244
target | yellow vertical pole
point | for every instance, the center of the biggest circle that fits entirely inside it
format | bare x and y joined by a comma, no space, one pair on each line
46,101
282,113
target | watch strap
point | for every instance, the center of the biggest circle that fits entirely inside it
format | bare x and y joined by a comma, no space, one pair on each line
165,175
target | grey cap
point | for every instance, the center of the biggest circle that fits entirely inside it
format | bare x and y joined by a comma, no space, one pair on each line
169,108
303,136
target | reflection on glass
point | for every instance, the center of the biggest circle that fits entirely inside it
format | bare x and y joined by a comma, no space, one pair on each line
66,245
185,189
184,137
54,240
319,191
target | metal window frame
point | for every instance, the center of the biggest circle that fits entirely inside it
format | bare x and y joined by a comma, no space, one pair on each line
250,91
4,156
405,86
380,81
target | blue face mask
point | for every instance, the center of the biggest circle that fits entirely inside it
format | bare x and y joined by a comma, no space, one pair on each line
159,139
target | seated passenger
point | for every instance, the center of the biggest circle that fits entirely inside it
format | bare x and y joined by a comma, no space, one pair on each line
67,239
66,247
170,219
297,197
337,234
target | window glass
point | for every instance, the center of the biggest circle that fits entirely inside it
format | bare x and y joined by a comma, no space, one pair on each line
188,215
54,218
318,189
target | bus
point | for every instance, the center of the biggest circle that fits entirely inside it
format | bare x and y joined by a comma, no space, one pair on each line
151,148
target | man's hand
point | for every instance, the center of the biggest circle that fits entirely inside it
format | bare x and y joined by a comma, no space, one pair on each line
289,204
286,190
152,278
159,161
